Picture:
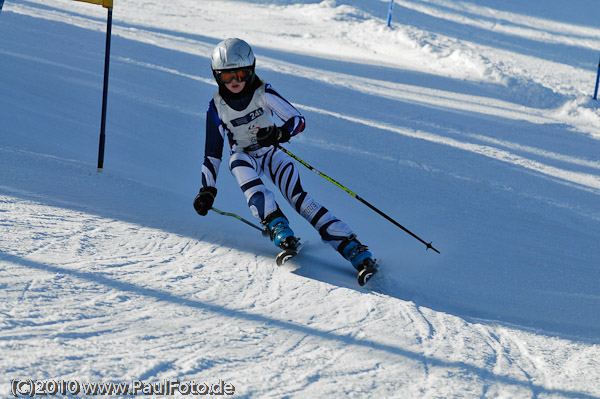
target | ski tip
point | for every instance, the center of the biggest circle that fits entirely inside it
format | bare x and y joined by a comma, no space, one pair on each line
365,274
284,256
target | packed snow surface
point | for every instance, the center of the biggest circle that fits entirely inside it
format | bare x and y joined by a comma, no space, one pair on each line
471,123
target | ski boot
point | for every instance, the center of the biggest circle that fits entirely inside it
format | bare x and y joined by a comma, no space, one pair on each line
282,236
360,257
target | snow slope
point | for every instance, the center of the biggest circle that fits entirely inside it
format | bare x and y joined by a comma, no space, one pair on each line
469,122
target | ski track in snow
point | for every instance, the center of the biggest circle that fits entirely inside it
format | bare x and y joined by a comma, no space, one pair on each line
106,278
149,281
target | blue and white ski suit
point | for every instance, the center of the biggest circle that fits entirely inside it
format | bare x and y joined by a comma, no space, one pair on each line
239,121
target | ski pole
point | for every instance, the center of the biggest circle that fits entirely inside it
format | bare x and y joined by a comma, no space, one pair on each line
238,217
427,244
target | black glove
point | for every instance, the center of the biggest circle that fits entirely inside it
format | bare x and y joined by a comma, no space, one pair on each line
204,200
272,135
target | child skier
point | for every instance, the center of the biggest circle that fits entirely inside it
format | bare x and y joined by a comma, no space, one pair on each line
242,111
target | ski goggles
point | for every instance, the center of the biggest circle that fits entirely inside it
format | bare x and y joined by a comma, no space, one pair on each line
241,75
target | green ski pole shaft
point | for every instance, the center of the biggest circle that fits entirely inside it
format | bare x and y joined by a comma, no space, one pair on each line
241,219
427,244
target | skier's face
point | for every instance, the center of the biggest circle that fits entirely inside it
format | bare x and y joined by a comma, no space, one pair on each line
235,79
235,87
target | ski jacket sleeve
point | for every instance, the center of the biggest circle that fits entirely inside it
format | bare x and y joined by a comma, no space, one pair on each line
292,118
213,147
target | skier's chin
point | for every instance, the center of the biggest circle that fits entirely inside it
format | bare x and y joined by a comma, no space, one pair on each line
236,88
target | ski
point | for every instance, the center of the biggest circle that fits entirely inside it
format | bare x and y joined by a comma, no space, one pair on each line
369,271
288,254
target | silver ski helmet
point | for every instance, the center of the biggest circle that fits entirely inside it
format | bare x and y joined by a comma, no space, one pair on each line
232,54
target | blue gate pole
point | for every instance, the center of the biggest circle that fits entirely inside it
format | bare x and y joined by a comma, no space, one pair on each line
389,22
1,4
105,93
597,81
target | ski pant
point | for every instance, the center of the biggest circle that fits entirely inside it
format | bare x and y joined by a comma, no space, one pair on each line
281,170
